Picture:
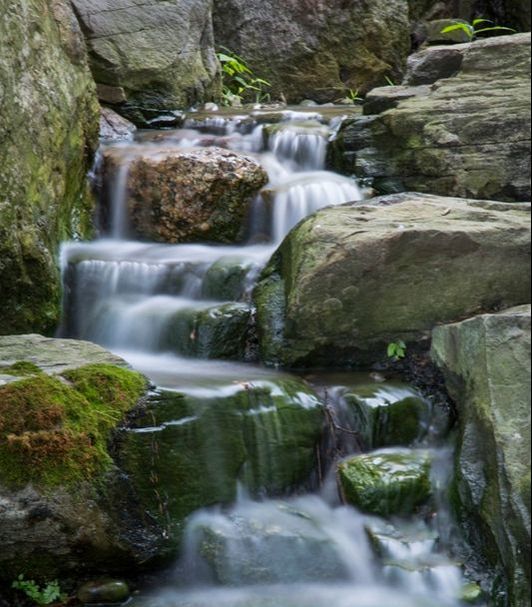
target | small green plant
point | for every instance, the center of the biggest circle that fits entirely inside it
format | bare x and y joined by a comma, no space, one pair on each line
354,96
46,595
389,81
397,350
239,83
478,26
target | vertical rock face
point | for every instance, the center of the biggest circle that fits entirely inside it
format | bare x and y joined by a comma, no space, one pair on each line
316,48
486,362
158,55
48,132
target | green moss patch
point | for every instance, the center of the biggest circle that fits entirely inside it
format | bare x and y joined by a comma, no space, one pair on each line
54,430
21,369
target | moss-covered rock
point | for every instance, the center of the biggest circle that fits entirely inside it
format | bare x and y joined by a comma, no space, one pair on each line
442,141
388,483
191,195
350,280
388,415
63,503
486,362
48,133
188,451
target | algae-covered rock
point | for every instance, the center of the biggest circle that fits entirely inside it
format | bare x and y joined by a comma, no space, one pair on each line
317,51
48,133
393,482
352,279
151,55
191,195
486,363
63,503
444,141
388,415
191,450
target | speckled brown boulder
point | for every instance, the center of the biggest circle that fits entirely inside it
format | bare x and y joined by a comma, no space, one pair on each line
176,195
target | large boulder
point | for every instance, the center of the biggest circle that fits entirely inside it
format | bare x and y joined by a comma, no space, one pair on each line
319,49
150,55
64,505
486,363
440,139
352,279
194,448
175,195
48,133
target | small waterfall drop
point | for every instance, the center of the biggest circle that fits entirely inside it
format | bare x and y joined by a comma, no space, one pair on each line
183,316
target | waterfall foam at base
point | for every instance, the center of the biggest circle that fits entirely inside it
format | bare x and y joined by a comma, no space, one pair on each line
306,551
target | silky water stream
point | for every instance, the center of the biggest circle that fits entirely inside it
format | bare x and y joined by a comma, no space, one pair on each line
173,313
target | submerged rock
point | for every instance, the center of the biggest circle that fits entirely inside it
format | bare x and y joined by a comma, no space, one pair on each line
191,450
63,504
443,141
352,279
320,51
198,194
159,55
486,362
48,134
393,482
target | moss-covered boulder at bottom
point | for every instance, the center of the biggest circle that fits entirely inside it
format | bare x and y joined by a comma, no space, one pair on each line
388,415
63,504
48,134
391,482
486,363
192,450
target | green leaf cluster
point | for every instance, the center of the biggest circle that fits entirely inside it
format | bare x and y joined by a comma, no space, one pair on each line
45,595
239,83
478,26
397,350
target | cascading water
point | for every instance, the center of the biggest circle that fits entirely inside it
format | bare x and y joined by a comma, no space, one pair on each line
157,304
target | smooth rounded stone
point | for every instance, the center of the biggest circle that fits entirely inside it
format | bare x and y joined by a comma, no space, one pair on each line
114,127
316,54
339,286
385,98
392,482
104,592
486,364
389,415
260,432
443,142
176,195
221,331
49,132
160,54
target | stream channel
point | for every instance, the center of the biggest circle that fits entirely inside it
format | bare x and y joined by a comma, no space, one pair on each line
164,308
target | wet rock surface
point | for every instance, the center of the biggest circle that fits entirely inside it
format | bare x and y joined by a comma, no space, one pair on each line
352,279
486,362
442,140
200,194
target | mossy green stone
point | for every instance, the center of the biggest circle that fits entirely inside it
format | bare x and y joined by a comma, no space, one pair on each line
387,483
104,592
54,430
187,452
